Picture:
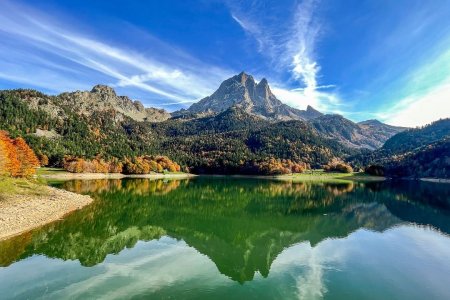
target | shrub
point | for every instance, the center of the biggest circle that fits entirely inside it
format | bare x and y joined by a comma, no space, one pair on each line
338,166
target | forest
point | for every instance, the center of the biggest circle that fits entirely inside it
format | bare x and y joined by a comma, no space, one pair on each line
232,142
414,153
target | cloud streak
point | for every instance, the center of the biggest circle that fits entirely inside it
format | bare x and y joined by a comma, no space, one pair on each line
29,31
291,48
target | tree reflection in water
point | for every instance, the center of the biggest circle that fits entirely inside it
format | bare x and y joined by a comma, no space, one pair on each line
240,224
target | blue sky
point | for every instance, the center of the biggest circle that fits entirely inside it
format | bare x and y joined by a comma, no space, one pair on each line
381,59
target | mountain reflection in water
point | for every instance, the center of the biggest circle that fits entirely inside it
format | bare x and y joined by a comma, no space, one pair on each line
241,225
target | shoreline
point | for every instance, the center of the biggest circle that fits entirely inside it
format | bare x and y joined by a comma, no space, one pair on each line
300,177
306,177
436,180
23,213
70,176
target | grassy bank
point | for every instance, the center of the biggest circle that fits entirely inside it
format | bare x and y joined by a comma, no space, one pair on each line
21,186
321,176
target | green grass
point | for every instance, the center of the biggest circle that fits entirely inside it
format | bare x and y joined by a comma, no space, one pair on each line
21,186
49,171
321,176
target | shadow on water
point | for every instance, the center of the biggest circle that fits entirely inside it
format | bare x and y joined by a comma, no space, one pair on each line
240,224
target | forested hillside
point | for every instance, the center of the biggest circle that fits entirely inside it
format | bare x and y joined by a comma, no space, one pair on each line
73,134
230,142
115,137
419,152
417,137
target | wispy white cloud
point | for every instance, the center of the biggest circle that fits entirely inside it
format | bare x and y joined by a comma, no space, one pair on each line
184,80
291,48
301,46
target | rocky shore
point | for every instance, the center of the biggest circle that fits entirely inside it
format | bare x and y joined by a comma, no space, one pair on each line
21,213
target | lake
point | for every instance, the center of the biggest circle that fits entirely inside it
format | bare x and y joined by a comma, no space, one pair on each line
238,238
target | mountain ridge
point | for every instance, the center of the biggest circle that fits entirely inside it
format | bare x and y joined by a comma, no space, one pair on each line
255,98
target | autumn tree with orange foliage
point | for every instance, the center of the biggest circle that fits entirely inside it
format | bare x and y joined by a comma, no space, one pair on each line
337,165
136,165
43,159
273,166
3,155
29,160
16,157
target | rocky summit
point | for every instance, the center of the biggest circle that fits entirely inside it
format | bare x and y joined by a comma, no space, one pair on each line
102,98
255,98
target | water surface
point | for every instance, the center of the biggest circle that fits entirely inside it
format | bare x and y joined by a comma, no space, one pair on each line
226,238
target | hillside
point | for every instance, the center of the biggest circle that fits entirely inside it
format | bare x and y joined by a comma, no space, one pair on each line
101,133
432,160
418,152
230,142
418,137
368,134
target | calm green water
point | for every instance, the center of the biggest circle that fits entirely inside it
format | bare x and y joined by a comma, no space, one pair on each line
224,238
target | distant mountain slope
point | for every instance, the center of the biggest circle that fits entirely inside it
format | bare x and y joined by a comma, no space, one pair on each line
380,131
413,138
432,160
368,134
255,98
418,152
225,135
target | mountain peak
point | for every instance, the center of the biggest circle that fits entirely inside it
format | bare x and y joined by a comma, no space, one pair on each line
255,99
243,77
103,89
104,98
312,113
263,82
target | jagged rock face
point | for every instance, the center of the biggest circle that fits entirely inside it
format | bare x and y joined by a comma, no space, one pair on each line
103,98
256,99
